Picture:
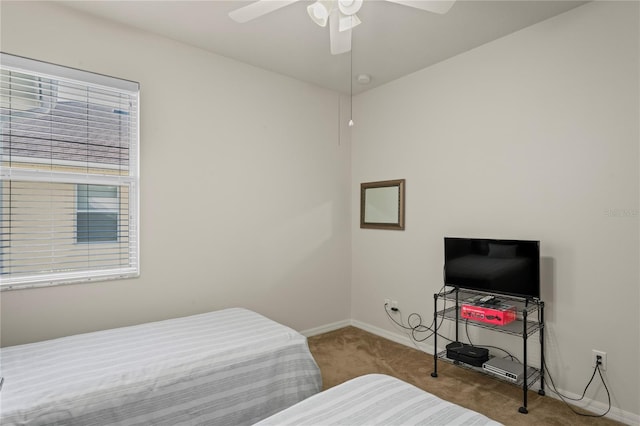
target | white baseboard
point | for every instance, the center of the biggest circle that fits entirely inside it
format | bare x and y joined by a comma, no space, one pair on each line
596,407
396,337
591,405
325,328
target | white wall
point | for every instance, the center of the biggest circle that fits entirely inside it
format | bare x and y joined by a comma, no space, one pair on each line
243,194
533,136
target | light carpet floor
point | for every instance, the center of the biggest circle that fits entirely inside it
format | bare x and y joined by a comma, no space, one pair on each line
351,352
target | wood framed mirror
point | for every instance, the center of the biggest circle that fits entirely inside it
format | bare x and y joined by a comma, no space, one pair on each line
382,204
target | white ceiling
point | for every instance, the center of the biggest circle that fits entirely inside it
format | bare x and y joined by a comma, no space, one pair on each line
392,41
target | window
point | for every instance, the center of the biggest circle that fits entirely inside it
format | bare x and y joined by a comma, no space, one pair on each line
97,214
69,168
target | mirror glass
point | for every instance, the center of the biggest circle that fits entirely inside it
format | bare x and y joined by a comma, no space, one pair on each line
382,204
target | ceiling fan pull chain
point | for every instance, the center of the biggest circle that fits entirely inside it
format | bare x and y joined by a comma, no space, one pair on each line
351,84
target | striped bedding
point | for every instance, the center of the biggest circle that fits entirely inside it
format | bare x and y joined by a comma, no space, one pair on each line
228,367
376,399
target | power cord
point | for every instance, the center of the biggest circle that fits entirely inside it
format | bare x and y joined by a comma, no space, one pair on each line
466,329
564,397
413,329
419,327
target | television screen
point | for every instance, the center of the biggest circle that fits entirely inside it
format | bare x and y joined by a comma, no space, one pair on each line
509,267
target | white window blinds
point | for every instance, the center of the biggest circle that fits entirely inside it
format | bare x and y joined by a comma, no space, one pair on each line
69,169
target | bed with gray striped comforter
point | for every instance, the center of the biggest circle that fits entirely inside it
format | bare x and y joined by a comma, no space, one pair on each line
228,367
376,399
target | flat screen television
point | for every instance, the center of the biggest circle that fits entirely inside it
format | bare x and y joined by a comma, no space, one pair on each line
509,267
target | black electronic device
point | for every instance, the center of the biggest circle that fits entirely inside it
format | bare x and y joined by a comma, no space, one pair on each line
509,267
468,354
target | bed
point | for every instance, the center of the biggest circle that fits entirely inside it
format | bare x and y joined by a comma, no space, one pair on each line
376,399
228,367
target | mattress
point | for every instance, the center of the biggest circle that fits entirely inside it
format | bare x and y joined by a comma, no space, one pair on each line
376,399
228,367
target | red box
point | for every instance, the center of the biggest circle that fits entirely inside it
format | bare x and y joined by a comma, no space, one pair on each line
496,314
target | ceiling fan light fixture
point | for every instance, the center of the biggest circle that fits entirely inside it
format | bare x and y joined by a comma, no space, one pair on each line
319,12
349,7
348,22
339,14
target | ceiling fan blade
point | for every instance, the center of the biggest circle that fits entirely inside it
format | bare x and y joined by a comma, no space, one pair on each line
340,41
257,9
435,6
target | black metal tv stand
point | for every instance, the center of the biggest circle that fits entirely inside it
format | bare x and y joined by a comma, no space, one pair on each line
529,320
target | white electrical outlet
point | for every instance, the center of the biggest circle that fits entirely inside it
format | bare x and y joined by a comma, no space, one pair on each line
394,304
387,303
603,359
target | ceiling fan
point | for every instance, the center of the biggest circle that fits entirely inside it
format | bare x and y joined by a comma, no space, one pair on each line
340,14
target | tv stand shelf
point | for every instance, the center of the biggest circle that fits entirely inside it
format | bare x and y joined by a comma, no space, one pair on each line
532,377
529,320
514,328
